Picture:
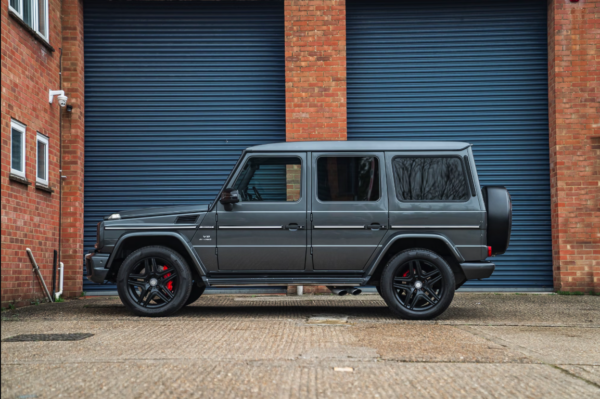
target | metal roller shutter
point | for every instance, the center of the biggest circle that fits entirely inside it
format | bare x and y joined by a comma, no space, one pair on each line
174,91
472,71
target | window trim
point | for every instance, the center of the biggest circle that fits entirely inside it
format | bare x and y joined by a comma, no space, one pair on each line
460,160
43,139
335,155
23,129
35,17
248,158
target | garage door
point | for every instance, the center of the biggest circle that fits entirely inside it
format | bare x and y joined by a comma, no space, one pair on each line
472,71
174,91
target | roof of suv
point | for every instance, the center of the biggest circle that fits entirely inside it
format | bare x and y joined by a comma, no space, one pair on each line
362,146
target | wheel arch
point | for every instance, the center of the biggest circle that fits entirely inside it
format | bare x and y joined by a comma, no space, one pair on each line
134,241
437,243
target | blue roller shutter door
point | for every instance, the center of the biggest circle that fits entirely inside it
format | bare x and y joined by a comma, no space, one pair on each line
174,91
472,71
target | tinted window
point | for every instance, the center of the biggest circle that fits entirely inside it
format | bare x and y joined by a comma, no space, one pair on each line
430,179
348,178
270,179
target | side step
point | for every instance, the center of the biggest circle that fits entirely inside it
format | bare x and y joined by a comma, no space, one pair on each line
278,281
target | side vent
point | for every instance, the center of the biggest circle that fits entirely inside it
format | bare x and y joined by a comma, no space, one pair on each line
187,219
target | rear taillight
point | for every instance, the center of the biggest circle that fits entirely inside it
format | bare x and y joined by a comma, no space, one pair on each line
489,251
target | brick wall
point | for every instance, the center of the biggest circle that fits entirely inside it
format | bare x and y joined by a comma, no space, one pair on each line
315,69
73,146
29,215
574,99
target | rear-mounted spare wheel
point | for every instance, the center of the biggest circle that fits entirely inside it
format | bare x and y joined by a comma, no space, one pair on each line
499,217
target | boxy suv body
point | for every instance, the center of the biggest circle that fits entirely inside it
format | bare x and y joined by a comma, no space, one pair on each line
407,217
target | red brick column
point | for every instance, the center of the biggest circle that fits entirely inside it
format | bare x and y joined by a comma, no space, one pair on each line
315,69
73,147
574,97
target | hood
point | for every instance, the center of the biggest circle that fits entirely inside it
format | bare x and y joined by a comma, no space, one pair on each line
165,210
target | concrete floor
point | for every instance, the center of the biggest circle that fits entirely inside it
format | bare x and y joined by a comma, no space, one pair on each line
485,345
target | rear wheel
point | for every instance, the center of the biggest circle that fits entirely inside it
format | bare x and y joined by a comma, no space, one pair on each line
154,281
417,284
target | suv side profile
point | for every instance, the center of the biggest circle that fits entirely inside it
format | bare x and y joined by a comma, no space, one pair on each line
407,217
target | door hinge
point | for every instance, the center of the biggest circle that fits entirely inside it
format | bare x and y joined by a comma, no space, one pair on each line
216,251
311,250
216,217
311,217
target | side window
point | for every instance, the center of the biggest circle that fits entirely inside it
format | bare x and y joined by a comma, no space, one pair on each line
348,179
17,148
270,179
430,179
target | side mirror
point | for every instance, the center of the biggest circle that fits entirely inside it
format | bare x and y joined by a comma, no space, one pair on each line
229,197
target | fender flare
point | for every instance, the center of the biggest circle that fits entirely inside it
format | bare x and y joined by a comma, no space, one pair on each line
398,237
197,262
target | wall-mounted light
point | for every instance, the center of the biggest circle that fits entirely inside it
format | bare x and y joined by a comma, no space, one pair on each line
62,99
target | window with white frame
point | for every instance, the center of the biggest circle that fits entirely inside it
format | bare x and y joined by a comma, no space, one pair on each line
17,148
34,13
42,159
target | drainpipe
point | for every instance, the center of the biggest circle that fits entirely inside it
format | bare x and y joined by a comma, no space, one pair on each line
60,282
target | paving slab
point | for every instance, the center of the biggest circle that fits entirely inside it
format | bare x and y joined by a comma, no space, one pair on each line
486,345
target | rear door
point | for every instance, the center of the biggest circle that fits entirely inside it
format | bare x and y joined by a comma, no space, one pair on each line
349,208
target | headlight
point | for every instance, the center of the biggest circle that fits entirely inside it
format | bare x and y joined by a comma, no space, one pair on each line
114,216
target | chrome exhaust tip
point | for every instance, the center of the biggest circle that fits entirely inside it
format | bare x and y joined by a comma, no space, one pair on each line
355,291
338,291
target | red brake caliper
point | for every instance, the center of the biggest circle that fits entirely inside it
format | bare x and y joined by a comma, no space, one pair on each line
170,283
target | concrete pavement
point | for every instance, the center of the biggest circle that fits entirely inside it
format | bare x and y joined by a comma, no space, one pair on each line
485,345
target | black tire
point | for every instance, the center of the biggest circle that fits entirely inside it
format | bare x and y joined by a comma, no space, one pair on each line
499,218
378,288
195,294
154,281
417,284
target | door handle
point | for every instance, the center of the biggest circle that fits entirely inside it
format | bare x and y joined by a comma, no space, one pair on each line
374,226
293,227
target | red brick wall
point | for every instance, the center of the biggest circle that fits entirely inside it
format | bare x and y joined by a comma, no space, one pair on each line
73,146
315,69
29,215
574,96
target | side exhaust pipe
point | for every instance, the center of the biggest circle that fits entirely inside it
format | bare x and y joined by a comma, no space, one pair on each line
338,291
355,291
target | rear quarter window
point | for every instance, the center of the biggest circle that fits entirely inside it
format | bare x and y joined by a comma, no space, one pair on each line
430,179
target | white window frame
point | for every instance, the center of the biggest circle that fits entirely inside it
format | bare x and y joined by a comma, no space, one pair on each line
35,17
14,125
43,139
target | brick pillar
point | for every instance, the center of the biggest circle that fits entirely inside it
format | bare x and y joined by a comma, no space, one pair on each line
574,87
73,147
315,69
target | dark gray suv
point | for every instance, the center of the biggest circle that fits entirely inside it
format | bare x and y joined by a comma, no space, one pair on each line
407,217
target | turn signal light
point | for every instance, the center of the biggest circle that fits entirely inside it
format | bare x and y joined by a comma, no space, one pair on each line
489,251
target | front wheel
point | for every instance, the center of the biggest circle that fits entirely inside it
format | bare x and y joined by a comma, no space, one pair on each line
154,281
417,284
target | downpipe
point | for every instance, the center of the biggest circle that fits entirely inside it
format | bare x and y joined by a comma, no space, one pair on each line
60,281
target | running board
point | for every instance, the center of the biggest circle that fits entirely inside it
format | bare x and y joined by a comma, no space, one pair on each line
279,281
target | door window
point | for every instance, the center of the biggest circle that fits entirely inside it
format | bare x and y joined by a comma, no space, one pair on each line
430,179
273,179
348,179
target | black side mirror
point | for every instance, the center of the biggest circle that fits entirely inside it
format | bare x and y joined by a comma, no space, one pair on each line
229,197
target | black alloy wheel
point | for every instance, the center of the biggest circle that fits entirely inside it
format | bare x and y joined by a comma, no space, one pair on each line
417,284
154,281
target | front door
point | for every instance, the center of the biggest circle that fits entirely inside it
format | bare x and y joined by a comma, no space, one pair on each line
349,209
266,230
